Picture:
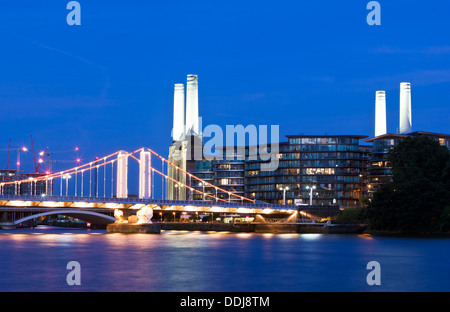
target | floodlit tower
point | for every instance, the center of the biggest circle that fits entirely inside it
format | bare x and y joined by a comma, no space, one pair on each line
178,112
192,121
405,108
380,113
122,175
145,179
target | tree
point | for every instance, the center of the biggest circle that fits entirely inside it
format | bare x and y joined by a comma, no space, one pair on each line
414,200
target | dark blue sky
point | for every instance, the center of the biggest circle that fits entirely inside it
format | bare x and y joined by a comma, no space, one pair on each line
311,67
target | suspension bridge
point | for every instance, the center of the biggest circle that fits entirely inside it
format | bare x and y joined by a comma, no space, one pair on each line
97,192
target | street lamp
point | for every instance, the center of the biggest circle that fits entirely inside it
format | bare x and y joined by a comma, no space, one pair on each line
310,193
284,189
23,149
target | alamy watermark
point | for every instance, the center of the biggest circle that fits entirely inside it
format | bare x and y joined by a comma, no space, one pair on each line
374,276
374,16
74,276
74,16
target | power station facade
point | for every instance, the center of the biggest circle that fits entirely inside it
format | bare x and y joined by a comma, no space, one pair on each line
186,134
379,169
341,168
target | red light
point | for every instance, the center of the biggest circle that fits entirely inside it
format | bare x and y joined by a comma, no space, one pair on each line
88,224
47,172
76,148
78,160
18,163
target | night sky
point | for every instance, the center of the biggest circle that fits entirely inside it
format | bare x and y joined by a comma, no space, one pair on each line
311,67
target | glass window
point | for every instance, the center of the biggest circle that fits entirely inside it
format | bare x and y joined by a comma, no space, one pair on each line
309,141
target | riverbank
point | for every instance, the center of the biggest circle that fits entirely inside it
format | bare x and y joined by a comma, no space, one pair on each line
405,234
274,228
321,228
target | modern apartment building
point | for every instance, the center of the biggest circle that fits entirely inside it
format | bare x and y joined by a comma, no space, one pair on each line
317,169
329,169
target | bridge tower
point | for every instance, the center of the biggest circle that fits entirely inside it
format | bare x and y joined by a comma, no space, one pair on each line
122,175
145,179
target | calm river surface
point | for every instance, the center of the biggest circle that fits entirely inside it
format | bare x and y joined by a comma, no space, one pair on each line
174,261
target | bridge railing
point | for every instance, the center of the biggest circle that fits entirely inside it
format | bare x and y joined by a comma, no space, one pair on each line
131,200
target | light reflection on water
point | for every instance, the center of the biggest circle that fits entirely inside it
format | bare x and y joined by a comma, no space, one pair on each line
219,261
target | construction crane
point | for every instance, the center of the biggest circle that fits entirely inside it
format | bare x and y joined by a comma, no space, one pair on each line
18,149
43,162
40,160
36,164
50,161
9,149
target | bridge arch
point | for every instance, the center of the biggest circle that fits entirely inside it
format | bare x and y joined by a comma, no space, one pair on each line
88,216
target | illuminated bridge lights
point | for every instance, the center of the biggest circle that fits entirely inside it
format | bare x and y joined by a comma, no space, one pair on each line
136,204
18,203
51,204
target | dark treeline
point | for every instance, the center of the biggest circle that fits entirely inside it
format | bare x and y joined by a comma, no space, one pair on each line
417,198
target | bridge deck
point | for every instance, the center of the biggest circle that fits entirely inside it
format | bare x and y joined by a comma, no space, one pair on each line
30,201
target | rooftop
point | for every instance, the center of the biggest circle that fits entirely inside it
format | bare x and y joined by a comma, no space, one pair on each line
328,136
396,135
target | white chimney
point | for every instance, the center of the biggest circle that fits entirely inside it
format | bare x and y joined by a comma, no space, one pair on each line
380,113
405,108
192,125
178,112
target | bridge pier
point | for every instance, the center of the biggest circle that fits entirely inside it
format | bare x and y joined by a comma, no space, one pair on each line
126,222
7,225
147,228
7,219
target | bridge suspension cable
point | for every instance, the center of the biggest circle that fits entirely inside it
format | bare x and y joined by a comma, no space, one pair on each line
94,166
197,178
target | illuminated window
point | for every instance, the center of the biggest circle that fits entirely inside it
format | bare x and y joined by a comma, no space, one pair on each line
319,170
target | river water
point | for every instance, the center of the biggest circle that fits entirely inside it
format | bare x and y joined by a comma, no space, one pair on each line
177,261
